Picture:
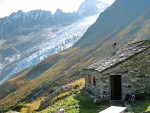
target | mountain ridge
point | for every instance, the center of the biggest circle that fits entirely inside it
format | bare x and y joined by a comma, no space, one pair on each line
35,20
68,67
40,39
105,25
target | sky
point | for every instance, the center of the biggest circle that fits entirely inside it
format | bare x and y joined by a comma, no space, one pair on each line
9,6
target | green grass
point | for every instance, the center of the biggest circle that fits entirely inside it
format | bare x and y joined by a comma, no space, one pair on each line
70,104
148,109
141,105
76,103
87,106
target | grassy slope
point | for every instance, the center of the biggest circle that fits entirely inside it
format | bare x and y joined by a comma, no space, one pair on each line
76,101
82,103
66,69
65,66
73,101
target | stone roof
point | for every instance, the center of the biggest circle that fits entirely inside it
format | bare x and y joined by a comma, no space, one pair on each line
120,56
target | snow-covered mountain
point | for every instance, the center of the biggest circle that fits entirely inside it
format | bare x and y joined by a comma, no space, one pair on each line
24,50
90,7
21,23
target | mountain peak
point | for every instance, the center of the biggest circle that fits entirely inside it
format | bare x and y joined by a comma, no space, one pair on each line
89,7
17,14
59,12
113,20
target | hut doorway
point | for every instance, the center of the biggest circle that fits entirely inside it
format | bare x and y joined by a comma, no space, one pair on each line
116,90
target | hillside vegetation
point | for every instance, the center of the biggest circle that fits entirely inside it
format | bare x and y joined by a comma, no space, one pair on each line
128,23
75,101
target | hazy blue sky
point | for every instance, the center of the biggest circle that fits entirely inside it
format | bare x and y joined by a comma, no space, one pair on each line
9,6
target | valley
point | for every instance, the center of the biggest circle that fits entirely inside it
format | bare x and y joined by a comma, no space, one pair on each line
42,38
80,44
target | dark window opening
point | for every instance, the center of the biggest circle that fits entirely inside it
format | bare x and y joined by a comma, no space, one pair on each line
94,81
89,79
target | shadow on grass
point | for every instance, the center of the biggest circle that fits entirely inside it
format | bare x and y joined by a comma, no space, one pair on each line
87,105
141,104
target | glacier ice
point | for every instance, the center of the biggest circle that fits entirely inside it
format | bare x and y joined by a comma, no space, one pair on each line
63,39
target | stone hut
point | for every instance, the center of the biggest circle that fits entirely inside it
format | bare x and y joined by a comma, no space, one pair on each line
125,72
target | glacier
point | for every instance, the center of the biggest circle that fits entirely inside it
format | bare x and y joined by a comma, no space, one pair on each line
61,40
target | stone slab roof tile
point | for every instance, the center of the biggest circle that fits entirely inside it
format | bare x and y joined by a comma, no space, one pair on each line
120,56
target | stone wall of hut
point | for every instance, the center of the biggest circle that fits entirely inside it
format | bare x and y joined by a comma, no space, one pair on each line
135,74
